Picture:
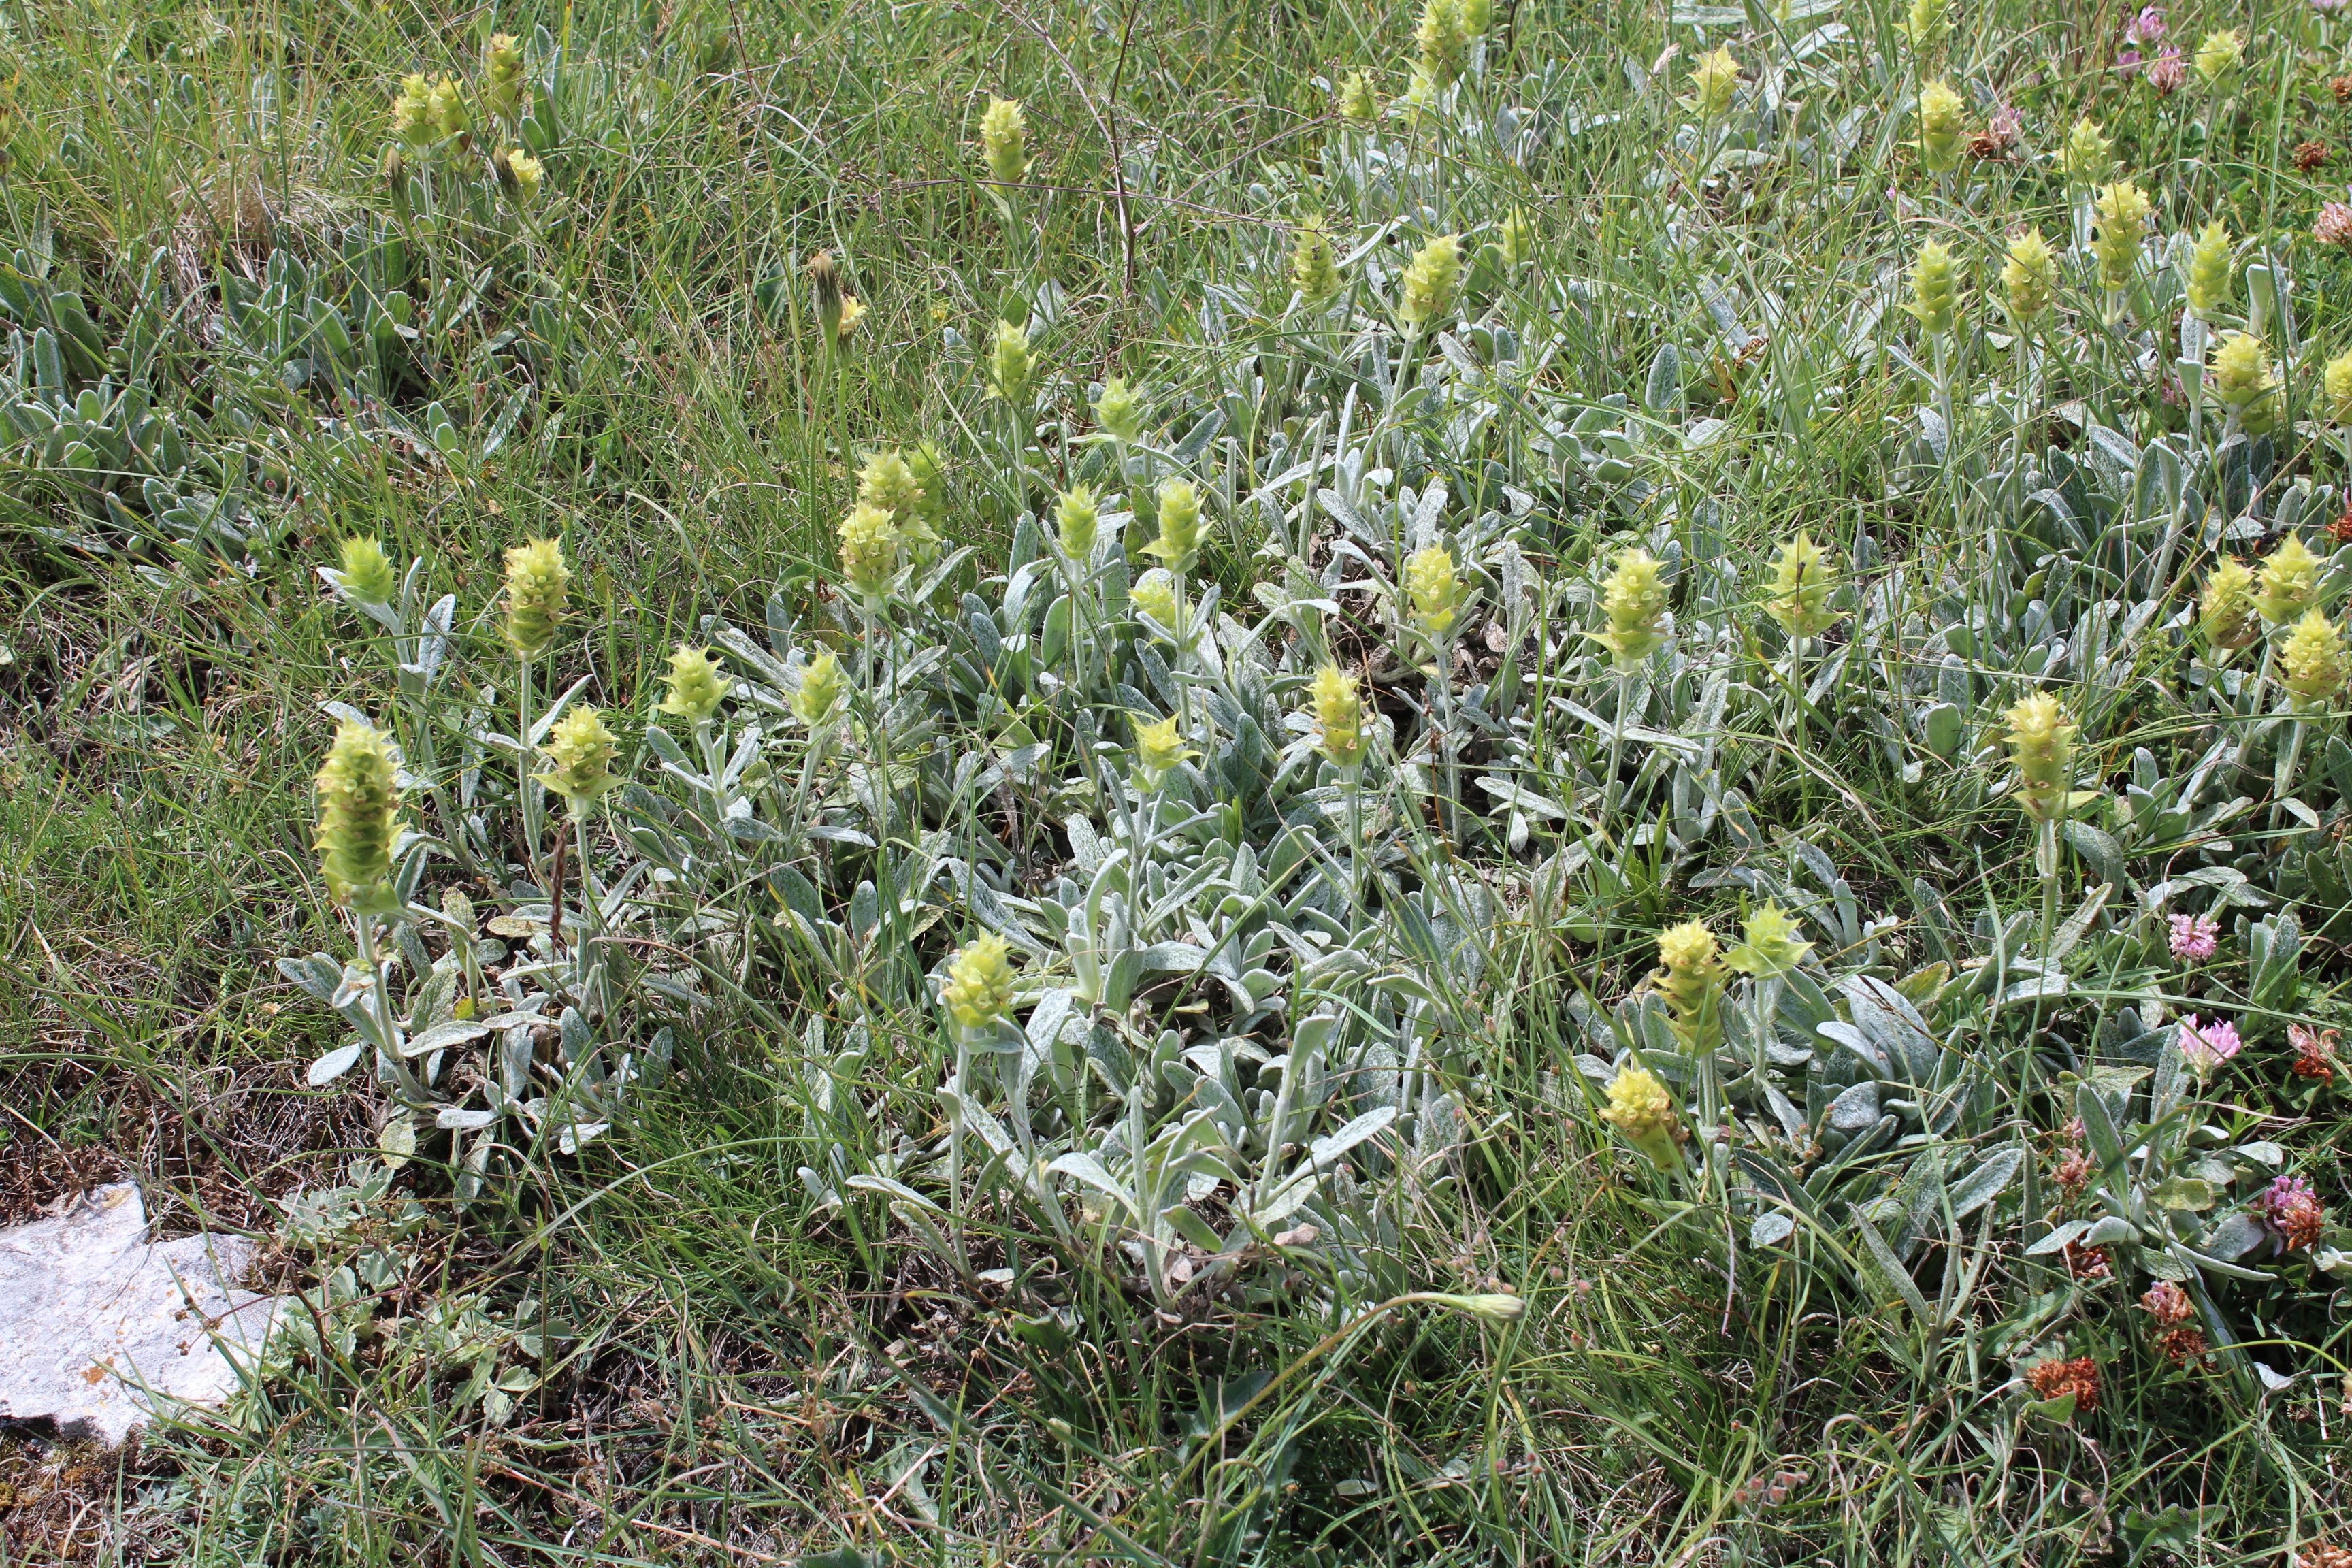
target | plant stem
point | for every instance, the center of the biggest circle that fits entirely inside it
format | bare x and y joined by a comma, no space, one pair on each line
533,795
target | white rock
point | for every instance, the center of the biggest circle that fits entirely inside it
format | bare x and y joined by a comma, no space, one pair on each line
99,1330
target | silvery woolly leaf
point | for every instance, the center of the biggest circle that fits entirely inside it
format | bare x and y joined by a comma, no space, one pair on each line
442,1035
2072,1230
2041,986
1987,1182
1770,1229
579,1134
2109,1229
397,1141
2236,1236
457,1119
317,975
1084,1167
891,1188
333,1065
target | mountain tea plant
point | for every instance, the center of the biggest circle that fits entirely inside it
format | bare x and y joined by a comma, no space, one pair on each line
1511,786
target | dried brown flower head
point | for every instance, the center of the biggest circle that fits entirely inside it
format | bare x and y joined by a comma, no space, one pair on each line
2088,1262
2315,1049
2055,1379
2319,1554
2334,225
2183,1346
2169,1304
2309,155
2074,1172
2342,86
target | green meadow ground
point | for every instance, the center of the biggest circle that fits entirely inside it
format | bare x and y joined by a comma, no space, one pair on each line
672,1348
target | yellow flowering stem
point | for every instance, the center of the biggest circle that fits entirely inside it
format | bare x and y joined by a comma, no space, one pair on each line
1644,1112
529,793
977,996
2317,666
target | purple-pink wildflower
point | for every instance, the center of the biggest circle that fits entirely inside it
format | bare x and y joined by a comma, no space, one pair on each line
2169,73
2149,26
2291,1208
2194,937
2208,1046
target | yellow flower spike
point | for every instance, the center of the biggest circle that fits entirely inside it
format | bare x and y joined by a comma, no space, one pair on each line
1804,579
1011,366
2242,378
1478,15
1420,95
1768,947
1340,717
1181,529
2290,582
1925,24
2041,742
1154,593
538,587
852,310
503,74
2122,210
367,575
2313,659
448,105
1691,978
1004,141
931,481
1436,591
2029,275
1118,412
1516,238
1077,518
359,819
579,754
2225,612
2219,56
1633,597
1935,290
869,550
1942,137
822,691
887,480
1430,282
1357,101
1314,271
1158,747
696,686
1444,36
1640,1108
412,111
1715,77
2209,271
2336,380
979,990
2088,157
